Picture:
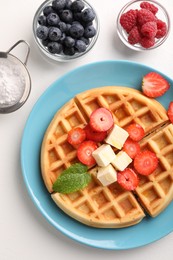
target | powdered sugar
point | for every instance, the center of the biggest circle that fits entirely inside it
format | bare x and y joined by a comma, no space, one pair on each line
12,83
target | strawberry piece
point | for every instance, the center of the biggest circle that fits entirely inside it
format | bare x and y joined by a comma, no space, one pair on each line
170,111
84,152
132,148
93,135
76,136
154,85
101,120
128,179
145,162
136,132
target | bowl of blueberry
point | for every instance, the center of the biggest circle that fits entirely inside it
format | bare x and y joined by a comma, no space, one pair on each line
143,25
65,30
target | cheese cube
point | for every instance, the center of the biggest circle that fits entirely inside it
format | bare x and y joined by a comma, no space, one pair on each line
107,175
104,155
121,161
117,137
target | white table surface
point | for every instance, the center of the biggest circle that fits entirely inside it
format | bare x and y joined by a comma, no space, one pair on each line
24,233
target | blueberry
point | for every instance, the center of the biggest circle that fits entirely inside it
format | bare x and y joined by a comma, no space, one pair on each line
90,31
69,51
59,4
45,42
80,46
54,34
77,6
47,10
42,20
76,22
62,26
54,47
53,19
88,24
69,42
76,30
67,16
68,25
77,16
68,4
85,40
42,32
88,15
61,40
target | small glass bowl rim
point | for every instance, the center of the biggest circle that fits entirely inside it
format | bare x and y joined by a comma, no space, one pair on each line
63,57
120,29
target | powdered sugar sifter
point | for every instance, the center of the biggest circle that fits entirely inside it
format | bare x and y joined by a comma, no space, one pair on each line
15,81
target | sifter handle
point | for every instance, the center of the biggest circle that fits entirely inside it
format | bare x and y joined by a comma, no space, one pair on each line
28,49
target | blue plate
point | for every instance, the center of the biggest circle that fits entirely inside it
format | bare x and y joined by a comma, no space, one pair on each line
106,73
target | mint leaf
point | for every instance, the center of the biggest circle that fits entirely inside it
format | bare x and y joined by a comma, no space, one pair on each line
76,168
71,182
72,179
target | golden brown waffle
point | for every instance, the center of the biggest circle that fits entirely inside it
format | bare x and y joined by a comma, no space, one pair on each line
96,205
156,190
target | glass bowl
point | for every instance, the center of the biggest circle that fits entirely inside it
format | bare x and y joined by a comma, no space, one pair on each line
162,14
61,57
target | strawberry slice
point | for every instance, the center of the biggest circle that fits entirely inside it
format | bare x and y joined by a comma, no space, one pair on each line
170,111
93,135
76,136
132,148
101,120
84,152
136,132
154,85
128,179
145,162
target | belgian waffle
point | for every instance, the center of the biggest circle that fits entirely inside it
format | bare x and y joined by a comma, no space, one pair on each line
98,206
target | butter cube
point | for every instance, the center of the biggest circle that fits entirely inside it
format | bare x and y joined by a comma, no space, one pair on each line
117,137
107,175
104,155
121,161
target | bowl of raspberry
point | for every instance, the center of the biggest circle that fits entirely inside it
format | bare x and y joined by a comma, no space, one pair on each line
65,30
143,25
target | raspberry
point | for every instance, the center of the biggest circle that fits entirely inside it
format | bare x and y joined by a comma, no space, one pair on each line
161,29
134,36
144,16
128,20
147,42
149,29
149,7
